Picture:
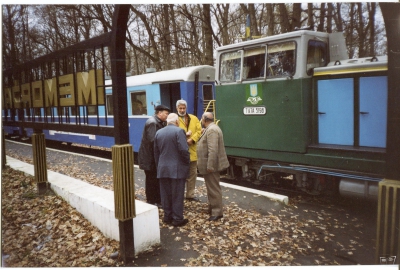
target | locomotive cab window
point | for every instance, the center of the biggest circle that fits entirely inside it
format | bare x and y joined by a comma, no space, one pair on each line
229,70
281,60
138,101
253,63
317,55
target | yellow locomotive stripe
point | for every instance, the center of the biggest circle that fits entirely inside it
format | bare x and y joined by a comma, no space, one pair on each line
350,70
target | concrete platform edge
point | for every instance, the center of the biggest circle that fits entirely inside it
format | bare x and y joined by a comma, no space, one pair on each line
97,206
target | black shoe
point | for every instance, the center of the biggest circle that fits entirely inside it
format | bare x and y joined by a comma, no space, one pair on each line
180,223
169,222
192,199
214,218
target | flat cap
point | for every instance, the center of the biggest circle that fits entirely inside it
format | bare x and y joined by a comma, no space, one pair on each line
161,108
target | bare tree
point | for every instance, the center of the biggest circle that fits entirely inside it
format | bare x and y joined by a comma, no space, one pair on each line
207,29
221,15
270,19
296,17
371,25
310,14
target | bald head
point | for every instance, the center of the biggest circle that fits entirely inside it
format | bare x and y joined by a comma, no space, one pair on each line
208,117
172,119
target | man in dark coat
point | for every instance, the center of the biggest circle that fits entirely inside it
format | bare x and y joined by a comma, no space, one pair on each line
146,153
171,153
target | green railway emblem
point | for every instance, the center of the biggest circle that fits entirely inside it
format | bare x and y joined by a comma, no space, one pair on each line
254,94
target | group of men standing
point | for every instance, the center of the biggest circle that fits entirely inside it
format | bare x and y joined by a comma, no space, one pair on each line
171,156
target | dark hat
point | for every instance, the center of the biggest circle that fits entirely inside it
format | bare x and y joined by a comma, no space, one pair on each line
161,108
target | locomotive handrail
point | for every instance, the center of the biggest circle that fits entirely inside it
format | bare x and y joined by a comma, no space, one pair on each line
211,103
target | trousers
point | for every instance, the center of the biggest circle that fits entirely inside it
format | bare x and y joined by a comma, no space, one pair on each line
191,181
214,193
172,196
152,187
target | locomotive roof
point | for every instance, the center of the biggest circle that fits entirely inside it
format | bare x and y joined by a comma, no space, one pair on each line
366,64
274,38
206,73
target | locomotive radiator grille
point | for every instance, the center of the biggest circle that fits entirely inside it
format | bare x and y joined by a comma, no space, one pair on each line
388,222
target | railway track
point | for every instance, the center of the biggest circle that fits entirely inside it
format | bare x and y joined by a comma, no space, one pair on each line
106,153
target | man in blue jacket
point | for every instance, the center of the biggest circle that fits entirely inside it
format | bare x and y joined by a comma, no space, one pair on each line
171,153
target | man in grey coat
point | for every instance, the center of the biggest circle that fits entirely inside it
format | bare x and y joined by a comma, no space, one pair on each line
171,153
211,159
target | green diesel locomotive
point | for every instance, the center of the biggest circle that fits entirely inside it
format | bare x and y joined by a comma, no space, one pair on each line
293,107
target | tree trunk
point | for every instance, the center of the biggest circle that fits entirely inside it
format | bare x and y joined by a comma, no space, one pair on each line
208,49
253,21
310,13
321,18
296,18
360,32
166,39
371,13
176,40
285,25
329,18
350,30
338,18
270,19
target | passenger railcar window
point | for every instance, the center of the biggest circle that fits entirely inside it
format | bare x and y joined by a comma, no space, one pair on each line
281,59
230,64
138,101
110,108
317,55
253,63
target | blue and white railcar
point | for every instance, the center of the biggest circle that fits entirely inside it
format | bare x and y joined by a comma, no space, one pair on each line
144,92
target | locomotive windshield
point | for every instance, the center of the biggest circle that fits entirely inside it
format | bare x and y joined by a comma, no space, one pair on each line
249,64
253,63
230,67
317,55
281,59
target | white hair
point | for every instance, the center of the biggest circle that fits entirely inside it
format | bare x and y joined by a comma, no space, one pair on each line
172,118
181,102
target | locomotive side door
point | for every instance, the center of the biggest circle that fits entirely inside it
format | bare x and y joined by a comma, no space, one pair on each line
373,111
336,111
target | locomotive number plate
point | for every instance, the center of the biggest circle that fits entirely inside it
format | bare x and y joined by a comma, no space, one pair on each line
254,110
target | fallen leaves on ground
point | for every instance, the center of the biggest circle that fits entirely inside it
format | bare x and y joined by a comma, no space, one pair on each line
45,231
39,226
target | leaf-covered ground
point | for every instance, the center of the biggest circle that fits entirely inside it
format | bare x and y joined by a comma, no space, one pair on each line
45,231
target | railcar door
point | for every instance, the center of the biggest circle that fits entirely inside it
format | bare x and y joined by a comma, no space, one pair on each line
170,93
373,111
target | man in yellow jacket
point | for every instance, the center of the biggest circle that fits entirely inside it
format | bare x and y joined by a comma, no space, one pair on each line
191,125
